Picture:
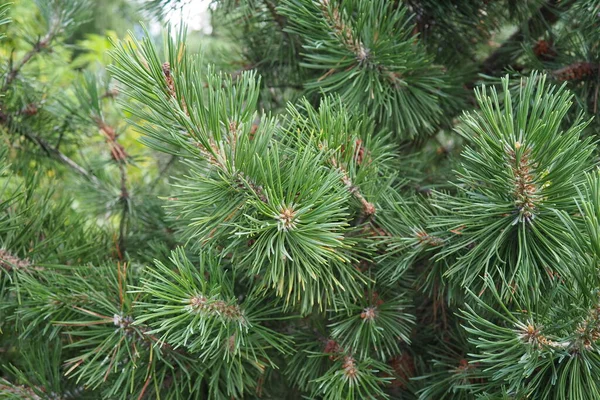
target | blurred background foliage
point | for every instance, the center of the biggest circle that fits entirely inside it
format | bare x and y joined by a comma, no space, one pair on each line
85,51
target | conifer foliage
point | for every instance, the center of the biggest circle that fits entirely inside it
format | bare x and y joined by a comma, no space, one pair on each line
367,208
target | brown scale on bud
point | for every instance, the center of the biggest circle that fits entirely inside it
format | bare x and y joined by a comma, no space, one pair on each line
110,94
360,153
167,72
532,335
349,367
369,314
576,71
286,219
443,150
117,151
166,67
30,109
465,367
198,303
333,349
253,130
10,262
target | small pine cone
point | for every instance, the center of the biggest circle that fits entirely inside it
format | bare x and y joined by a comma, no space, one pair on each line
376,299
544,51
333,348
576,71
30,109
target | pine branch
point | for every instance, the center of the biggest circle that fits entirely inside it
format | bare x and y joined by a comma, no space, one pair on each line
548,13
511,184
61,157
366,52
40,45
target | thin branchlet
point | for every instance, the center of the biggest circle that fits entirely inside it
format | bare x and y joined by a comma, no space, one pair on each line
424,238
343,31
368,207
586,333
355,45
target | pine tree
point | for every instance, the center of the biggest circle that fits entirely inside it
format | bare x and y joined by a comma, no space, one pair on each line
357,200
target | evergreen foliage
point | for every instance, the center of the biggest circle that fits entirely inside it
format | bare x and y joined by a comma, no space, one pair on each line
364,200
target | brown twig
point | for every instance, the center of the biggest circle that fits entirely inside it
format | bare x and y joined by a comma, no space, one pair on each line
119,155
